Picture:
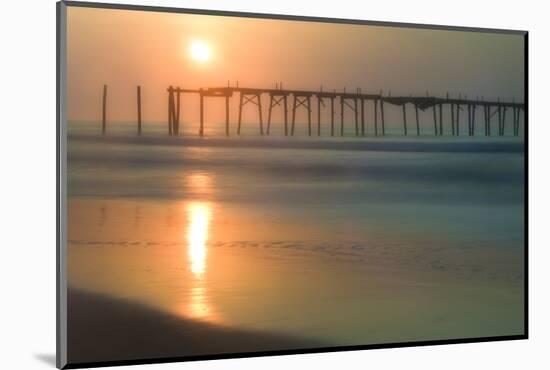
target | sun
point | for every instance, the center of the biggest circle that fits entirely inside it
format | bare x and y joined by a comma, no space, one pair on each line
200,51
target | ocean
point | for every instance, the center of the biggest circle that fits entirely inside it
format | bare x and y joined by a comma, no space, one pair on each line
341,240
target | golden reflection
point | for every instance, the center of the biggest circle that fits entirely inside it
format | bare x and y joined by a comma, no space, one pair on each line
197,236
199,307
199,217
199,183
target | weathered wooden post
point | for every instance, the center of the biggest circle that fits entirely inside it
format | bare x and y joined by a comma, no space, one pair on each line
440,119
309,115
485,120
474,106
499,118
269,113
286,113
458,119
227,114
240,111
104,116
453,119
332,115
341,115
260,113
469,119
452,114
318,115
519,118
139,110
516,121
170,104
362,117
201,129
356,111
177,112
503,118
382,117
435,120
488,113
375,117
404,119
293,115
417,122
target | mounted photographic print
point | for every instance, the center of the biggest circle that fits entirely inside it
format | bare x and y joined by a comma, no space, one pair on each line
234,184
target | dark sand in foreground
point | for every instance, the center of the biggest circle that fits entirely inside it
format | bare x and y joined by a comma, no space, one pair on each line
107,329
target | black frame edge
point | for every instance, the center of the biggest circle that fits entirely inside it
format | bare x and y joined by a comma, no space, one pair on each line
289,17
293,352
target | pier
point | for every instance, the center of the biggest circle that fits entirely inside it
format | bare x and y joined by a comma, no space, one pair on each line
355,103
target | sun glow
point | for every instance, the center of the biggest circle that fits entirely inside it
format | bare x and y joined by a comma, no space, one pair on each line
200,51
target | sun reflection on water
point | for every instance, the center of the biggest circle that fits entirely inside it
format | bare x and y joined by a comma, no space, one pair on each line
197,236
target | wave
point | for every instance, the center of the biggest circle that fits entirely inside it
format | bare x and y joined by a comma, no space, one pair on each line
387,144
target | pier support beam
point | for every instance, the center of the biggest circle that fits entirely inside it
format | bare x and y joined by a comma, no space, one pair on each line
332,116
201,127
417,121
474,119
485,116
435,120
362,117
286,114
355,111
319,100
104,112
277,100
499,121
171,111
260,113
440,119
138,110
227,115
176,121
453,131
516,121
469,120
301,101
341,116
404,119
240,114
253,98
375,117
458,111
489,116
382,117
503,119
309,115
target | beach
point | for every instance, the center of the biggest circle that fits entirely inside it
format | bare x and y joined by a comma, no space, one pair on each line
273,243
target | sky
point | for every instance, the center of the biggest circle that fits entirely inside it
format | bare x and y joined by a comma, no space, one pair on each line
126,48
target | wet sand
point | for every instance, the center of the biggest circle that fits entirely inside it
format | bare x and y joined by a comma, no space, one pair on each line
108,329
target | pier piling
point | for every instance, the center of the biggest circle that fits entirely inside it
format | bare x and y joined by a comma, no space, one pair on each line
417,121
227,115
404,120
201,128
354,101
362,117
104,115
376,117
139,110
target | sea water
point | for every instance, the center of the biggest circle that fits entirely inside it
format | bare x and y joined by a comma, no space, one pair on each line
341,239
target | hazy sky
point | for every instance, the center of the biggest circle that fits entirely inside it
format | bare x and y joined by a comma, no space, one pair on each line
125,48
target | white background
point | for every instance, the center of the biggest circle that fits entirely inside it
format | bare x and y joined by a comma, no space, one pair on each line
27,180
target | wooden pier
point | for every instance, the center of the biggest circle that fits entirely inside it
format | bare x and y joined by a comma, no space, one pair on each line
355,103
